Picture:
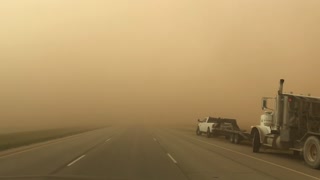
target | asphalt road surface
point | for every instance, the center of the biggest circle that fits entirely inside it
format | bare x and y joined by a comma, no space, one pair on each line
149,152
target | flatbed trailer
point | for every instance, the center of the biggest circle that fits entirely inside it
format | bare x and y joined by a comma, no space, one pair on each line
231,131
234,136
223,127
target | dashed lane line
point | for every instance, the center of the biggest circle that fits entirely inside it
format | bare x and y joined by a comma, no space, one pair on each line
78,159
174,161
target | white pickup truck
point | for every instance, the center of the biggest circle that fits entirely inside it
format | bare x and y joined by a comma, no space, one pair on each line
205,126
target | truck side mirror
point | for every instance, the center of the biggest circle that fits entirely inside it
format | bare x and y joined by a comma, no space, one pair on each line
264,104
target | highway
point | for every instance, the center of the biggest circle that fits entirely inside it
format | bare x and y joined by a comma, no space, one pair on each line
149,152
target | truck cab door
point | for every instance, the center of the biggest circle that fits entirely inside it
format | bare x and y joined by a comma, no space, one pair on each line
203,125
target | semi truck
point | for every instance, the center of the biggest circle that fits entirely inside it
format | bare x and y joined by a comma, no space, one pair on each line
292,123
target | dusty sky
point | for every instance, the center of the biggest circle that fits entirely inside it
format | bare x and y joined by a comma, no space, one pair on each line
93,61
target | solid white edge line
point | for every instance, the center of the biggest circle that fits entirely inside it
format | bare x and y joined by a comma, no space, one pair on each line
258,159
70,164
174,161
108,140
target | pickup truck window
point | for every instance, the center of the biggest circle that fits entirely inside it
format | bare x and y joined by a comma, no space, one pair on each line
210,121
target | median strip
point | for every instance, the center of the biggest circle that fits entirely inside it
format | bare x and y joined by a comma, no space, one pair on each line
19,139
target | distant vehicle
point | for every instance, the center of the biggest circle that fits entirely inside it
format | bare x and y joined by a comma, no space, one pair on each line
294,124
205,126
222,127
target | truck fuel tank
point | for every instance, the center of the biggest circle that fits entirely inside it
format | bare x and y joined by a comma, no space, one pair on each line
267,119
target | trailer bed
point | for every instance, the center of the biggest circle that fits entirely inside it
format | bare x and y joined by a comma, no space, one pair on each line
231,131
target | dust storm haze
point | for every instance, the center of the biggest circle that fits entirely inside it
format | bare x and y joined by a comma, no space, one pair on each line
99,62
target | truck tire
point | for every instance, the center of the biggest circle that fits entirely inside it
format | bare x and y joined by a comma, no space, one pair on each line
198,132
256,142
236,139
311,152
208,133
231,138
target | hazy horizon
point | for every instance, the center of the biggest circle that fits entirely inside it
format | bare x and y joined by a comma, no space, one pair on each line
67,63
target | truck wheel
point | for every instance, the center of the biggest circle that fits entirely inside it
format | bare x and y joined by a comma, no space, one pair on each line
208,133
256,142
198,132
236,139
311,152
231,138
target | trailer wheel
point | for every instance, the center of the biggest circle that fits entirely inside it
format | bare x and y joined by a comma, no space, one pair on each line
311,152
198,132
208,133
236,139
231,138
256,142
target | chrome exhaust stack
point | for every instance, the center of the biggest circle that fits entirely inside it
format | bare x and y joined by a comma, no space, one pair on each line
280,91
279,108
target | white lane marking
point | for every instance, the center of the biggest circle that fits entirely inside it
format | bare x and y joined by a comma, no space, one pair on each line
108,140
70,164
174,161
258,159
154,139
